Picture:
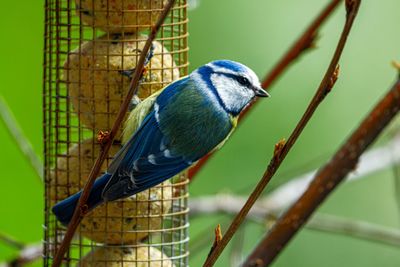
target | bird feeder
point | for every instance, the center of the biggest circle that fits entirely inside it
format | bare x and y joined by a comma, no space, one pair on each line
90,46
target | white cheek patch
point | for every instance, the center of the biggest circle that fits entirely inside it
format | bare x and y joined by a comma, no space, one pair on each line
233,95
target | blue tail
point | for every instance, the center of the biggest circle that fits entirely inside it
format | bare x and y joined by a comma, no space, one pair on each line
65,208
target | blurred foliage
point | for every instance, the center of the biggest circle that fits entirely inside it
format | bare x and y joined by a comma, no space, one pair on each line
256,33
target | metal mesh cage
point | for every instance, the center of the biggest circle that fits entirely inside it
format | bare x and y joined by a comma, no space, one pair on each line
91,46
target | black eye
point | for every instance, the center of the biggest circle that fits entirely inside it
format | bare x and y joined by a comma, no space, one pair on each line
243,81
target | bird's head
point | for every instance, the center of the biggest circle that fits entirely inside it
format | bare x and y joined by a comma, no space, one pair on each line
234,84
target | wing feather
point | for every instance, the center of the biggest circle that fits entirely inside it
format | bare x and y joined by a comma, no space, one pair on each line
145,160
143,164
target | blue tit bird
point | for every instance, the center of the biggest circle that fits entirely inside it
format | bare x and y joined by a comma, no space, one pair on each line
172,129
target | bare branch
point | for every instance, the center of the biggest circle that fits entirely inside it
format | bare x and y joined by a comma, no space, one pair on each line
324,88
26,255
396,65
80,211
327,179
20,139
230,204
302,44
217,237
236,253
355,228
202,239
372,161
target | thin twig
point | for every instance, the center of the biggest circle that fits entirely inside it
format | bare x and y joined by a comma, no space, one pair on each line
226,204
372,161
28,254
20,139
80,210
236,253
279,155
305,42
217,237
301,45
231,204
396,173
10,241
203,238
355,228
396,177
327,179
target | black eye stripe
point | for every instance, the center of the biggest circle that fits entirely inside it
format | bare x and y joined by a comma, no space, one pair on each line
240,79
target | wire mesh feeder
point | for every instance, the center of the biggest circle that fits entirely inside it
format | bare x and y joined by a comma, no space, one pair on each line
90,47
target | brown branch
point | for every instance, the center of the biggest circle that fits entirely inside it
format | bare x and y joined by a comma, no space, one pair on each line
324,88
202,239
281,198
305,42
80,210
302,44
327,179
372,161
396,65
217,238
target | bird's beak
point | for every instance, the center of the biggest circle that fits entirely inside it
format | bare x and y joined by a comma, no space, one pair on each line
260,92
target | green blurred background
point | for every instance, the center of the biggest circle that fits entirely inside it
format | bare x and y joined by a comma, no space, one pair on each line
256,33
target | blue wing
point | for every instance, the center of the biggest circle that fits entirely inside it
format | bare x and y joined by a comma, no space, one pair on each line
145,159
